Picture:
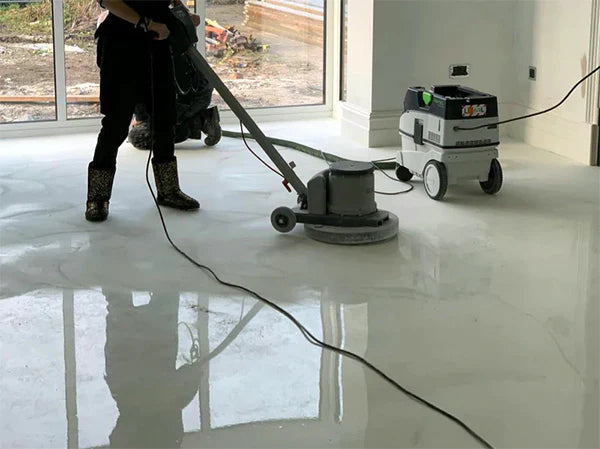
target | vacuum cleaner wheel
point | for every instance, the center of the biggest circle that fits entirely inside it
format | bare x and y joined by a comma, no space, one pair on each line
494,182
435,179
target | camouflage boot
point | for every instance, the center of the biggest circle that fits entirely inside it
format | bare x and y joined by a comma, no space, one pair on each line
167,184
100,184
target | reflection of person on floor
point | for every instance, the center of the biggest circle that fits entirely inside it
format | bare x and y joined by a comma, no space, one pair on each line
141,351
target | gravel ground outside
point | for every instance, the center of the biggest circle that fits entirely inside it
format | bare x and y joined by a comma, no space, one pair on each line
288,73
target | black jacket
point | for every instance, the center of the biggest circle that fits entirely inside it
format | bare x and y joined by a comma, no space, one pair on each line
157,10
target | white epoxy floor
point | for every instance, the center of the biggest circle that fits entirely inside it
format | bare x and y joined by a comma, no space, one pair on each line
487,306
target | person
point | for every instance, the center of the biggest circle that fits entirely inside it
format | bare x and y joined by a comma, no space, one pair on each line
141,356
194,116
134,57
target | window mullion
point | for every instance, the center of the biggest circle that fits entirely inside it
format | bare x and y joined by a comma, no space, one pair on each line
60,77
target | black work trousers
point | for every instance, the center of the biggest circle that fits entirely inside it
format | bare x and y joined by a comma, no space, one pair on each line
134,69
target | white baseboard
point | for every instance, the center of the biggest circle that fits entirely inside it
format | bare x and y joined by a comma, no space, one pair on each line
570,139
49,128
370,129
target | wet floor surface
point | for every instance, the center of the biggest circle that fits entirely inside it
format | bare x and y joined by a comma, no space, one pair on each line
487,306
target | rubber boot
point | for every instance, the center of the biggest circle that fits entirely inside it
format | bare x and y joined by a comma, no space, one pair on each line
212,126
167,184
100,184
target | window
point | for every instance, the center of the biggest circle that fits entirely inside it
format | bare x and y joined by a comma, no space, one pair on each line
82,74
27,87
268,52
271,53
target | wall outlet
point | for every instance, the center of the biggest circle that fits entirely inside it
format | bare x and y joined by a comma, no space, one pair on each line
460,70
532,73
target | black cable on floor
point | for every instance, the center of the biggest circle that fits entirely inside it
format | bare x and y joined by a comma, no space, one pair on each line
303,330
401,192
411,187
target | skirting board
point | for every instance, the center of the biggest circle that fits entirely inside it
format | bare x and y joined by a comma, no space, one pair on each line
371,129
550,132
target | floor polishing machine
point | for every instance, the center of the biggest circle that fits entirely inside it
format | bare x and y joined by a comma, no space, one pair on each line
337,205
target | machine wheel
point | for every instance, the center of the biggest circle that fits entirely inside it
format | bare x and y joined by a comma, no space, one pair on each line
435,179
283,219
403,174
495,178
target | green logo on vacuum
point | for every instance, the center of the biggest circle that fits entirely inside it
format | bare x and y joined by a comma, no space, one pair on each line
427,98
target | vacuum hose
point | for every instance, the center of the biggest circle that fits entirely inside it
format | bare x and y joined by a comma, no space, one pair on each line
327,157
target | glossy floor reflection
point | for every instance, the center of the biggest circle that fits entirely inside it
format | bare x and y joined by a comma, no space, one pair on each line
486,306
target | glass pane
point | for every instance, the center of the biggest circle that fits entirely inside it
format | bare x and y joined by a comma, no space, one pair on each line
268,52
26,61
83,76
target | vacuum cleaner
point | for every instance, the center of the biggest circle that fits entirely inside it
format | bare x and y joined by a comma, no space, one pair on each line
434,148
337,205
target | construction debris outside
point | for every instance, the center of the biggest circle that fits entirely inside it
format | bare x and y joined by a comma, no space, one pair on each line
269,52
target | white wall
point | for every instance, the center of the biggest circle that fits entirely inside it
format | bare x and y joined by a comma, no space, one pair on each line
436,34
501,39
396,44
554,36
413,42
360,41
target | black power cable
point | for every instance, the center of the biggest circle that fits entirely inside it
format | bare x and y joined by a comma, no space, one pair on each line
303,330
493,125
411,187
306,333
256,155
